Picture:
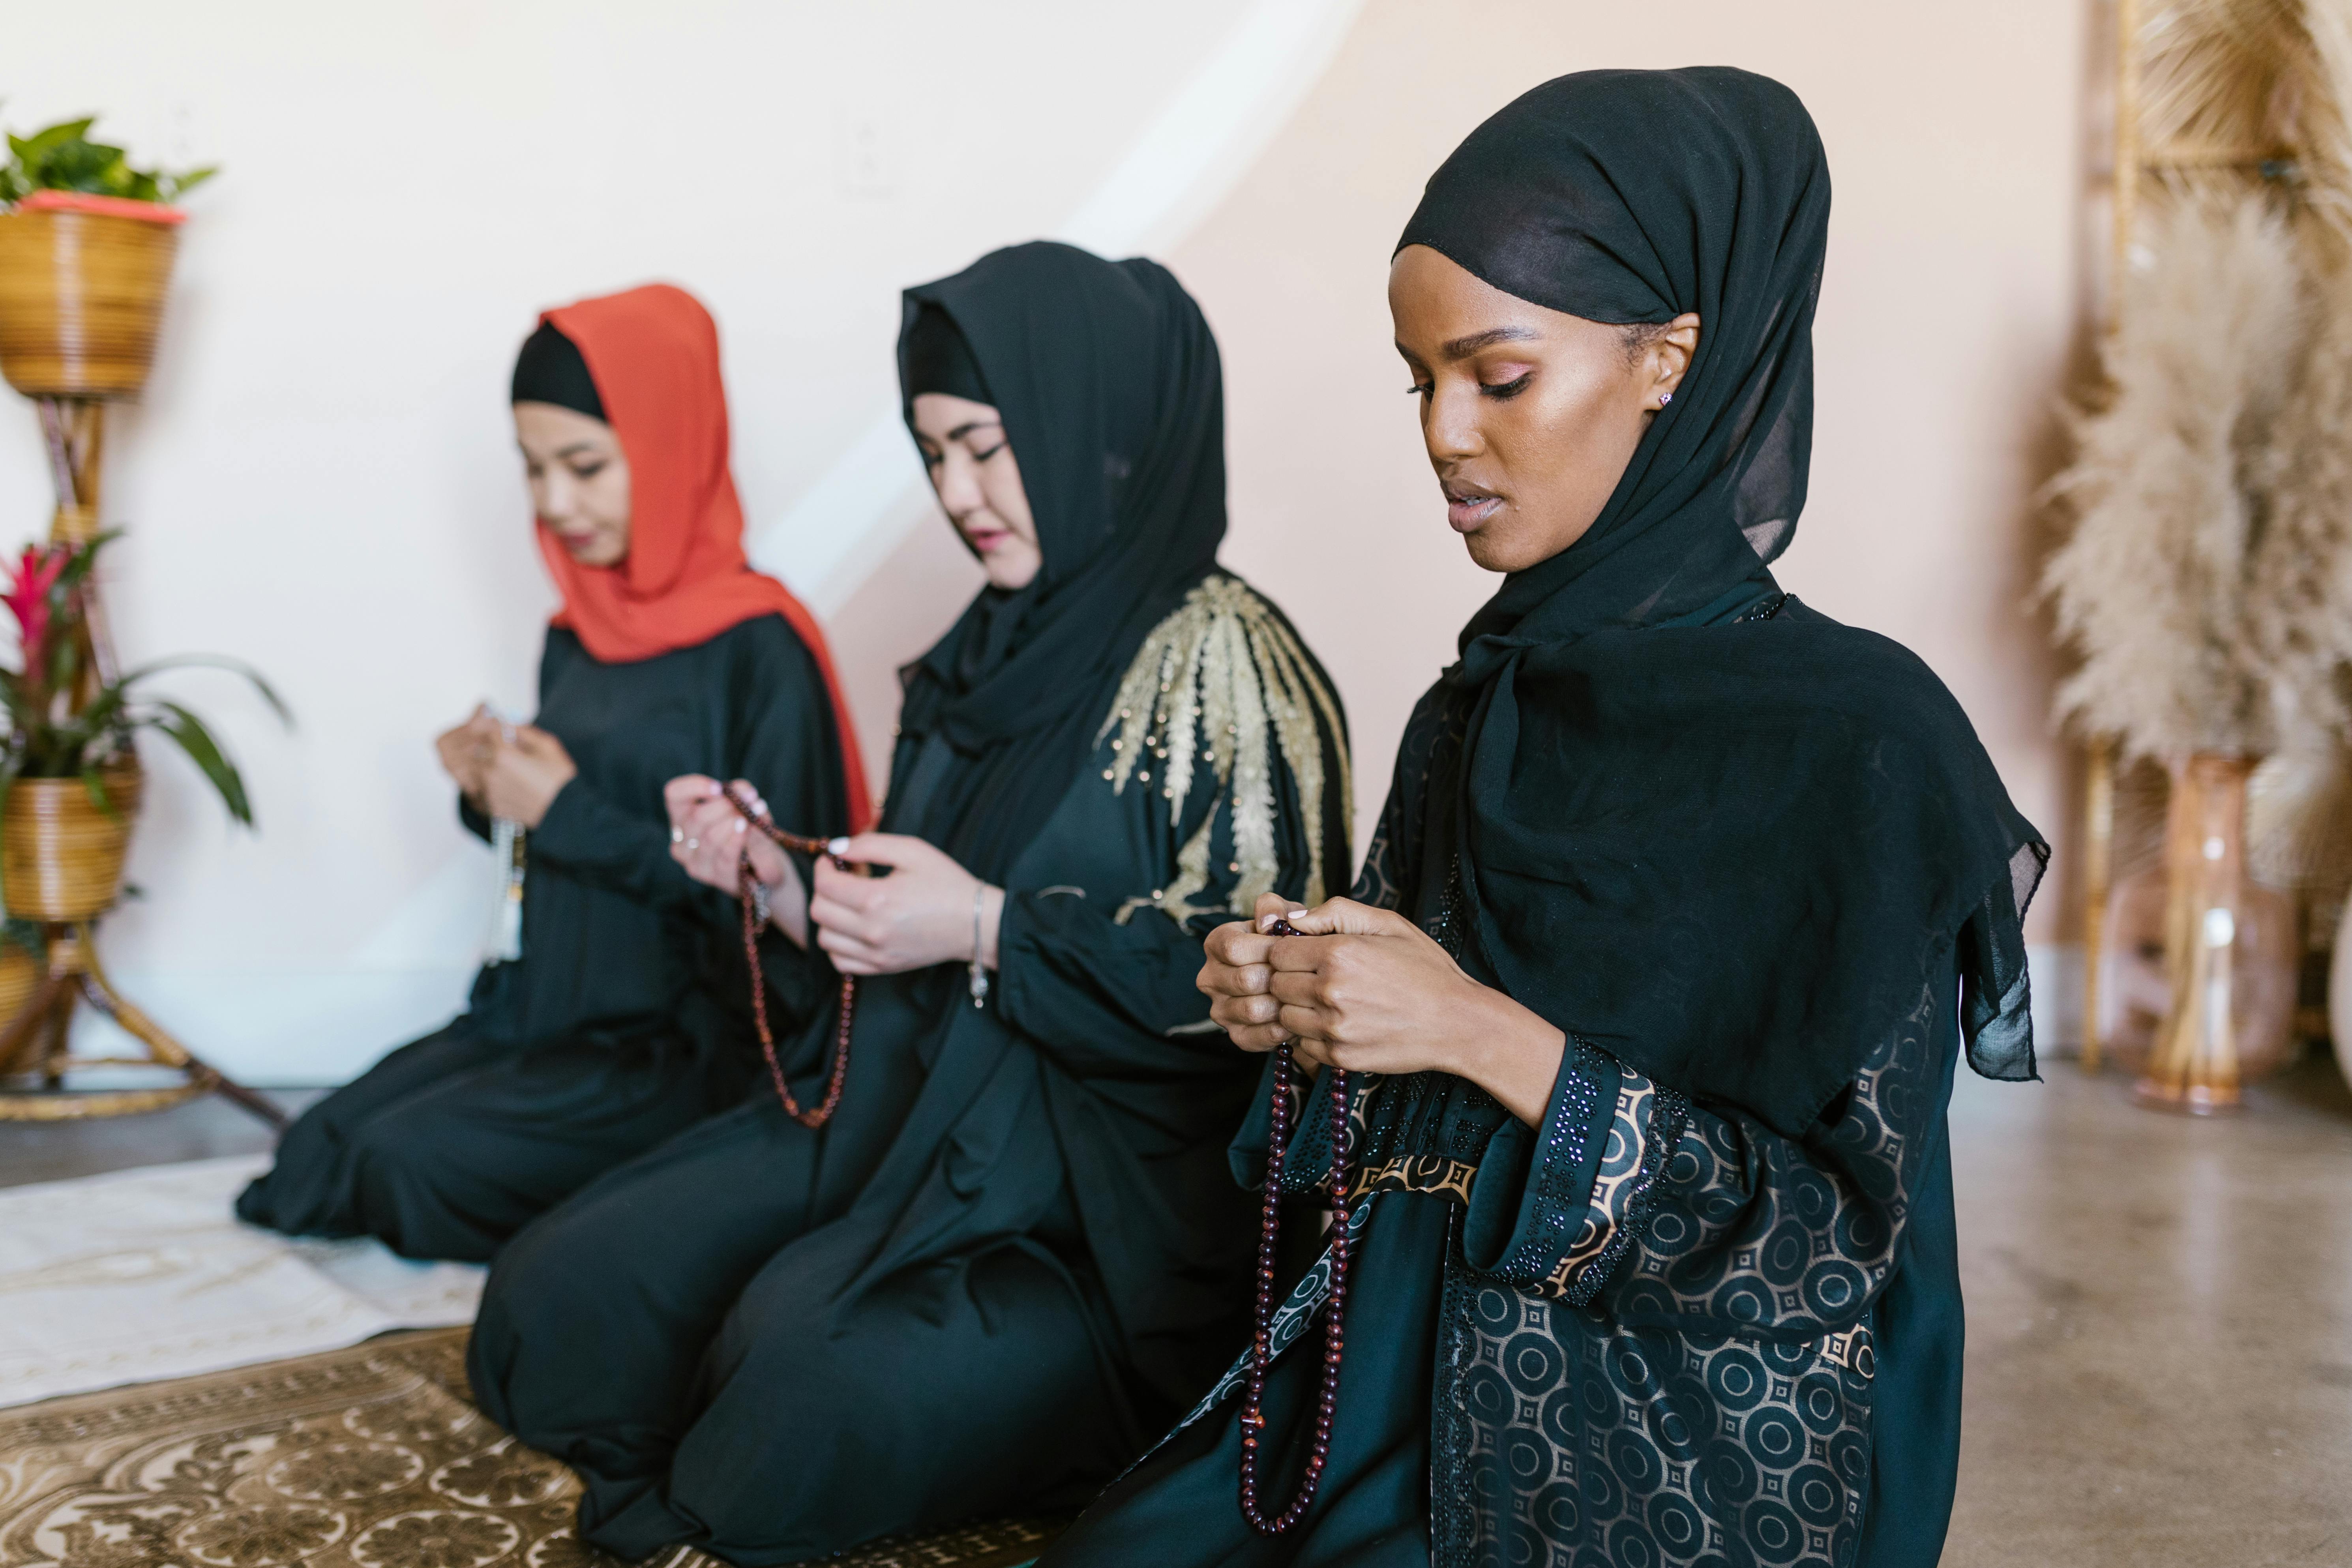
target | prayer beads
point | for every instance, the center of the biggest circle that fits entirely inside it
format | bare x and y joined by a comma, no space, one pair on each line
1279,1139
748,890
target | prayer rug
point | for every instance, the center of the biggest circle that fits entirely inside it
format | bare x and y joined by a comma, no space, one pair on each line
368,1457
146,1274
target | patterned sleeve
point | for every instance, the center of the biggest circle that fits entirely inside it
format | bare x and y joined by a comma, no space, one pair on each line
1663,1213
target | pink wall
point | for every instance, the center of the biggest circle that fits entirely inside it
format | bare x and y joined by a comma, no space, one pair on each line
1948,315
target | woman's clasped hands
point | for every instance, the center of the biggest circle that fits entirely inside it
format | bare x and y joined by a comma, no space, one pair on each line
902,904
1366,990
510,771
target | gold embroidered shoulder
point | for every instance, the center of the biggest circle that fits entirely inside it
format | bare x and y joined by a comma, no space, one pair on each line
1215,689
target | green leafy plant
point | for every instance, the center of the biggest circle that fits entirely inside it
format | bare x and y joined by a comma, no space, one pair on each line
61,723
64,158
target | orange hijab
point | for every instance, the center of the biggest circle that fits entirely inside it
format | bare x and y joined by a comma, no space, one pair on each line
654,353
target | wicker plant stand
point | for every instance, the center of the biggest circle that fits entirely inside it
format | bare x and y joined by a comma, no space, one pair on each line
81,295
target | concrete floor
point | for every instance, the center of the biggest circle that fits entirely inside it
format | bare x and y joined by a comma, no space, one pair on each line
2160,1315
2160,1366
203,1128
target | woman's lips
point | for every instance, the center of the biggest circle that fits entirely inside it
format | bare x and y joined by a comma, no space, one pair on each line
576,542
986,538
1465,510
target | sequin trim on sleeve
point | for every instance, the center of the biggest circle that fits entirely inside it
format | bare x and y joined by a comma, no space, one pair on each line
1216,689
1645,1128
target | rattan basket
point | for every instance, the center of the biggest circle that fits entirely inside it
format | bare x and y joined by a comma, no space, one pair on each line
60,855
81,297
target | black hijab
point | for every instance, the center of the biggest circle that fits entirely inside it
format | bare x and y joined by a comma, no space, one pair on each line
933,356
1113,400
1730,849
550,369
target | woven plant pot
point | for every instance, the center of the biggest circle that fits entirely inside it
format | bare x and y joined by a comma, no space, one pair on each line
20,973
20,976
60,856
81,296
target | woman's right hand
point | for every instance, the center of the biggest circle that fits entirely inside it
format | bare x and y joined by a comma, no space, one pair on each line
708,837
1239,977
466,752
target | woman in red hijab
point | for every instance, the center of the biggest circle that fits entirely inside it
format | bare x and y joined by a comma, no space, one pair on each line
619,1021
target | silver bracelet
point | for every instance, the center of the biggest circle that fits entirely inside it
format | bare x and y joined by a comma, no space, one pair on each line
978,971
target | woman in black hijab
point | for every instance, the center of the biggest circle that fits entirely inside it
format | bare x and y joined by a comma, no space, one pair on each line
1013,1252
1684,902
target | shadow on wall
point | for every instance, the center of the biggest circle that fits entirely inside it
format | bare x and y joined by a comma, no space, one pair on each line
913,596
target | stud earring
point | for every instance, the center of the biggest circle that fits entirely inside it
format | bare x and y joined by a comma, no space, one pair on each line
1665,398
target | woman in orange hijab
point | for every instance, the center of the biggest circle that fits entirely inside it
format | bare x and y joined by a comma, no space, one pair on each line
619,1022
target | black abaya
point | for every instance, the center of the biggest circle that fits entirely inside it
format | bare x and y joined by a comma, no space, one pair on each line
1016,1252
626,1020
1758,870
1010,1258
1649,1330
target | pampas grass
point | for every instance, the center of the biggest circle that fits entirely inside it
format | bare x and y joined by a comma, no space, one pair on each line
2227,73
2322,127
2170,481
2299,586
2207,583
2226,79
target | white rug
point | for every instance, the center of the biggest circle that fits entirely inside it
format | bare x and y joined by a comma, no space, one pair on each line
146,1274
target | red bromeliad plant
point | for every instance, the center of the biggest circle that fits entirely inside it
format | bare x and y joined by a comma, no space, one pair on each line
50,735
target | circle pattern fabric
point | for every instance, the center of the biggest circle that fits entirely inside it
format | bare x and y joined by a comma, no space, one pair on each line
1587,1445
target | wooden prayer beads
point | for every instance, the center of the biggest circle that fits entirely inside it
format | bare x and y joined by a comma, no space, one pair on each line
1334,1306
745,883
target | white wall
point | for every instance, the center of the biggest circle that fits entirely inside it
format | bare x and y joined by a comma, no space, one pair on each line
320,479
1950,307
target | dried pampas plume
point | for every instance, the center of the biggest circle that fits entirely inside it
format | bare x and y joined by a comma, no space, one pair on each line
2299,589
2170,482
2322,129
2225,78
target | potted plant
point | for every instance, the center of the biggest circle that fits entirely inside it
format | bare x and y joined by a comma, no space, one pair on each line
86,252
70,766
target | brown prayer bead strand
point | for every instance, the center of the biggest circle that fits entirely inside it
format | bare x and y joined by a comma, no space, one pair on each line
744,880
1335,1305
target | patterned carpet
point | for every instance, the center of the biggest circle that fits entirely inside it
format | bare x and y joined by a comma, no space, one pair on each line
364,1457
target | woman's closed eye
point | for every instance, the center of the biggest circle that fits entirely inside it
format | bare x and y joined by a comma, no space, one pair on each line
1501,390
933,459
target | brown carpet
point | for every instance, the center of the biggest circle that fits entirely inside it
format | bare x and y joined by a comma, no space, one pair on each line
365,1458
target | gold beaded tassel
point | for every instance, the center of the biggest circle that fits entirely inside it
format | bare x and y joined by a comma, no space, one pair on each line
1225,668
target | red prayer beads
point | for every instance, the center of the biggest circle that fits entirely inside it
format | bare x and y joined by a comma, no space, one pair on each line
744,882
1260,1340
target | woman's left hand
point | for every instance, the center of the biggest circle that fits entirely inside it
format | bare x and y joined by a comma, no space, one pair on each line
1369,991
525,775
918,915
